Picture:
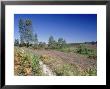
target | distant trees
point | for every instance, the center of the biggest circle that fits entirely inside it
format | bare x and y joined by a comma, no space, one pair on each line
51,42
92,42
61,43
35,39
56,44
29,38
42,45
16,42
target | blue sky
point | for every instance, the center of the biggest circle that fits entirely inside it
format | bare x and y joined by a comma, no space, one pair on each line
74,28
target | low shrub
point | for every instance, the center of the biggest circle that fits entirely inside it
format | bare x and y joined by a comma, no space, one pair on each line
36,69
26,64
90,72
66,70
90,53
45,58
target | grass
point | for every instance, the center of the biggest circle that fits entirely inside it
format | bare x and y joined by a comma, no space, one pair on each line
36,66
89,72
66,70
81,49
90,53
73,70
66,49
26,64
61,69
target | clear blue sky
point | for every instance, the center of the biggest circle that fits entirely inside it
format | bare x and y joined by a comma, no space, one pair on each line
74,28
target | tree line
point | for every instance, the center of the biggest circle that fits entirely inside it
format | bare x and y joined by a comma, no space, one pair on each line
29,38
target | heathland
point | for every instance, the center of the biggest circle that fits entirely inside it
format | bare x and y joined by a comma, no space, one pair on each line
55,58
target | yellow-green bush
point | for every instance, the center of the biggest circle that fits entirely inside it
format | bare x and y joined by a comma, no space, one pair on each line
26,64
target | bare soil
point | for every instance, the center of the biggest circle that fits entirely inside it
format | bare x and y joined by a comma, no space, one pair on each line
71,58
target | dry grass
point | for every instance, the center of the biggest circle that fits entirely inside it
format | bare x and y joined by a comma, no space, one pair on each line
62,64
26,64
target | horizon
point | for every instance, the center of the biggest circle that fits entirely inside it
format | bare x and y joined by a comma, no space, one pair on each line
82,27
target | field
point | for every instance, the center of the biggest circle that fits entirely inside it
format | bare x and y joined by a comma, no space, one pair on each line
55,45
74,60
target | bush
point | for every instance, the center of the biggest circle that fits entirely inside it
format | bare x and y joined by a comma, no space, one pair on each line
26,64
90,72
66,70
90,53
42,45
45,58
35,46
36,66
93,56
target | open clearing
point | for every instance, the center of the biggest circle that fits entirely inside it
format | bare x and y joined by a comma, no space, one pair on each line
53,62
71,58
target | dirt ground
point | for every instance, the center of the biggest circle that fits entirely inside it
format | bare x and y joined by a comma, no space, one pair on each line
71,58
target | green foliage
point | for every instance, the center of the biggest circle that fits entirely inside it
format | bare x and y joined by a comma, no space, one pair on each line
90,72
16,43
72,70
56,45
51,42
42,45
82,49
26,33
28,22
66,49
61,43
36,66
67,70
21,30
35,46
35,39
26,64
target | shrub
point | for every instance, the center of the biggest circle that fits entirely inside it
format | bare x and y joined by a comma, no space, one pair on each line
26,64
90,53
35,46
66,70
42,45
45,58
36,66
90,72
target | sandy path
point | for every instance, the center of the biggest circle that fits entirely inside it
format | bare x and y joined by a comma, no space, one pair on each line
46,70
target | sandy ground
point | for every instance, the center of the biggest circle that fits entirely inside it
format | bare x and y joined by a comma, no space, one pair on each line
46,70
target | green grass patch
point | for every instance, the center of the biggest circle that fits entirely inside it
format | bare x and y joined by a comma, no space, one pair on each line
90,53
66,70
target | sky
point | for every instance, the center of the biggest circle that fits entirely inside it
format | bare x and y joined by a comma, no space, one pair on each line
74,28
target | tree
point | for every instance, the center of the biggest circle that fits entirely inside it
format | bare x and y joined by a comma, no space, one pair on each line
16,42
64,43
21,30
28,35
92,42
26,32
61,43
35,39
51,42
42,45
